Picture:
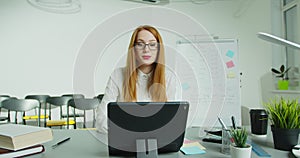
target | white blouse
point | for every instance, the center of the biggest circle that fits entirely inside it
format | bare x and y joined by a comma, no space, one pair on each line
113,92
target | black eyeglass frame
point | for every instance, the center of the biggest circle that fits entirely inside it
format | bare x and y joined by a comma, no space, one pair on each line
149,46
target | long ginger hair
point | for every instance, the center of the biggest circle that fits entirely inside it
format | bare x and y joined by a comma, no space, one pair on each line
157,84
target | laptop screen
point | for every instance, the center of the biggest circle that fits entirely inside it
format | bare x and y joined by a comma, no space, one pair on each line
130,121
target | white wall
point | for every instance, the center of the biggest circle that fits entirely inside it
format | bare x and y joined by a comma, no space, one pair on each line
39,49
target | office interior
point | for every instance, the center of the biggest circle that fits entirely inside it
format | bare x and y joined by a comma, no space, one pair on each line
40,49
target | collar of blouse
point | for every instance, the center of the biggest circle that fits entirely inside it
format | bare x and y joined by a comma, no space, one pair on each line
143,76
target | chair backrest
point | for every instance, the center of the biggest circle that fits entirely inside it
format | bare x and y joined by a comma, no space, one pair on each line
40,98
58,101
100,96
14,104
84,103
75,96
2,98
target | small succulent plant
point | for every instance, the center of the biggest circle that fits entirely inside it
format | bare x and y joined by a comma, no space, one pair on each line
240,137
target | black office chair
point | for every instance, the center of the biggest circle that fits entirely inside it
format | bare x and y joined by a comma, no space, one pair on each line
83,104
19,105
73,96
100,97
58,102
42,100
2,98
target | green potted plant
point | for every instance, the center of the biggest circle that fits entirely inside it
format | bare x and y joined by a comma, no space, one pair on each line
240,148
283,82
284,114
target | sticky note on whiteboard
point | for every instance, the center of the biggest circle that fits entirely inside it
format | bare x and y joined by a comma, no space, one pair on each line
185,86
230,64
230,75
230,53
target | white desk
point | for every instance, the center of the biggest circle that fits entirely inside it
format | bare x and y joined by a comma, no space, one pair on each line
83,144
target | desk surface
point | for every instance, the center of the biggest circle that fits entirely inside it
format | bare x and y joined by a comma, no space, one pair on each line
84,143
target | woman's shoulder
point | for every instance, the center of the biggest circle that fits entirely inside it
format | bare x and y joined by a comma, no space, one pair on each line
117,75
117,72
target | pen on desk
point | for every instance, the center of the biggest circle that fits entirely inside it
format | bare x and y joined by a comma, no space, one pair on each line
233,122
59,143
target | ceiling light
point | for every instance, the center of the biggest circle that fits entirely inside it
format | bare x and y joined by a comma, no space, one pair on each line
57,6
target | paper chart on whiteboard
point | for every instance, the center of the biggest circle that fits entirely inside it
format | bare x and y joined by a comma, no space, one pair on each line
210,80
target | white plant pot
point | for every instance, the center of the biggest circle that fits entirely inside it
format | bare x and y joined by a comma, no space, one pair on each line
236,152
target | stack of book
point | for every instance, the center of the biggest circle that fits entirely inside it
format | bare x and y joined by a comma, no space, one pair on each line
22,140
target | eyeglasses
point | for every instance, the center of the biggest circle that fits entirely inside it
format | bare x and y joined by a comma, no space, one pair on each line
142,45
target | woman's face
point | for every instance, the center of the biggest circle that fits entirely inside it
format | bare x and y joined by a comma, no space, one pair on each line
146,48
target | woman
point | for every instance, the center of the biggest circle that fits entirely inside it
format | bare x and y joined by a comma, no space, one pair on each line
144,78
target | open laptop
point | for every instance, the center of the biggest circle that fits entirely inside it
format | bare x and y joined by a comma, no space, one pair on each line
128,122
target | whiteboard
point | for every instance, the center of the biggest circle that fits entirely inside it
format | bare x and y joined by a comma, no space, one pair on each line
208,71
